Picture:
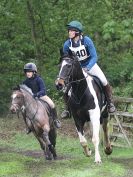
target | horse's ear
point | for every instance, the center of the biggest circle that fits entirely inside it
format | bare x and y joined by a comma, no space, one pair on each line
61,55
16,88
61,52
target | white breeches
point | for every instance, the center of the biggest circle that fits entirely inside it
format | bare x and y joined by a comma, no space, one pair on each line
48,100
96,71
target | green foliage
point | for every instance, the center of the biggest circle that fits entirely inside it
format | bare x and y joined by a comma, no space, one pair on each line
20,156
36,30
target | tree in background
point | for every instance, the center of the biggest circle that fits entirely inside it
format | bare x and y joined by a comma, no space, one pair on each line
34,31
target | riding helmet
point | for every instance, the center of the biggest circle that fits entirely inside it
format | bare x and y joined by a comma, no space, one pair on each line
76,25
30,67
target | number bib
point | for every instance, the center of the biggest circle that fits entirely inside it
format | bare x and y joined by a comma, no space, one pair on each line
79,51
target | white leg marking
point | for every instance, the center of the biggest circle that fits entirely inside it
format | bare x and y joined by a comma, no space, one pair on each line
82,138
83,142
95,120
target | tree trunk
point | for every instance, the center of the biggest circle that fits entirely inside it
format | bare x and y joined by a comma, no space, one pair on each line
33,30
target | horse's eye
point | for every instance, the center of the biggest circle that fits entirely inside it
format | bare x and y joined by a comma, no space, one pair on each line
69,60
68,66
18,97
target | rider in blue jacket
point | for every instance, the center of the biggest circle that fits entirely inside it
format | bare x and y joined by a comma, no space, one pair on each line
37,85
85,50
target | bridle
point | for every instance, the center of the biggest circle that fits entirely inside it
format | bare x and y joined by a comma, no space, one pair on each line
71,71
23,107
29,106
69,84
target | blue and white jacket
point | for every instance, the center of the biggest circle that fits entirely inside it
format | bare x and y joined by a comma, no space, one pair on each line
84,49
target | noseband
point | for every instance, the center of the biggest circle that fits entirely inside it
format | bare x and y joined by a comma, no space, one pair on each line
17,106
69,74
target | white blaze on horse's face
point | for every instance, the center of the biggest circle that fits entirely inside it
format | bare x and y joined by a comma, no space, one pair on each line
64,63
60,79
16,102
14,106
14,96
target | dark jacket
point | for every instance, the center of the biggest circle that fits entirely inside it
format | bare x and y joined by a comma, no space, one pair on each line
37,85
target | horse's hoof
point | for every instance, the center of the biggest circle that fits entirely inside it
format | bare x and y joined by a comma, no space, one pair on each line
108,150
88,153
98,162
48,157
55,158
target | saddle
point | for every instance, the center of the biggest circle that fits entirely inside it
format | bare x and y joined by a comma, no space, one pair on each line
100,86
47,107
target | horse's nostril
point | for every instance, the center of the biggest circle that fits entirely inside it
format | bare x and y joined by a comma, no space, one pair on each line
59,86
13,110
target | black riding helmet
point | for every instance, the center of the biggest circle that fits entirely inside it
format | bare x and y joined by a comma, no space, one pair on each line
31,67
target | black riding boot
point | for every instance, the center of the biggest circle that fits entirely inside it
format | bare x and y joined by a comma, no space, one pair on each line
108,94
57,123
66,113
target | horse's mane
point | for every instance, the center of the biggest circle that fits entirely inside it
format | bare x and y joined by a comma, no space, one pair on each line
69,54
24,87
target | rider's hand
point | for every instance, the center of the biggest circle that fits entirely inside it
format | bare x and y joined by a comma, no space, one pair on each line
85,69
34,95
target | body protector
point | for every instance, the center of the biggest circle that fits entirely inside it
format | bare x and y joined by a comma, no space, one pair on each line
32,84
37,85
80,51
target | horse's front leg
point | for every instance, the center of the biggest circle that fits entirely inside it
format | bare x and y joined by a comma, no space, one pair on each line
83,140
108,148
41,141
49,147
27,122
95,120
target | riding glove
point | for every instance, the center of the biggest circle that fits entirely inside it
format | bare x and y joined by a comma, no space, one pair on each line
35,96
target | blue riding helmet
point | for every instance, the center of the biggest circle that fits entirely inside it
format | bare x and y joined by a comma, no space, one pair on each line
76,25
30,67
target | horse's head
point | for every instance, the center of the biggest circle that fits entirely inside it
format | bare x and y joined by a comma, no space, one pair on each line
17,100
68,63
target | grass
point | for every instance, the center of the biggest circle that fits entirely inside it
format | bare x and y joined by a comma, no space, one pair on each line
21,156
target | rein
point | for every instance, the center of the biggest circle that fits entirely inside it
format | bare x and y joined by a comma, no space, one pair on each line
72,94
29,106
23,107
35,111
77,80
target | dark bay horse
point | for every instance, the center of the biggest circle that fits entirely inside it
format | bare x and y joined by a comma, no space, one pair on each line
86,101
37,117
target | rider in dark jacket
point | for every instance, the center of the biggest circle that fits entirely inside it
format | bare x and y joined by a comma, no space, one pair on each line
85,50
37,85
